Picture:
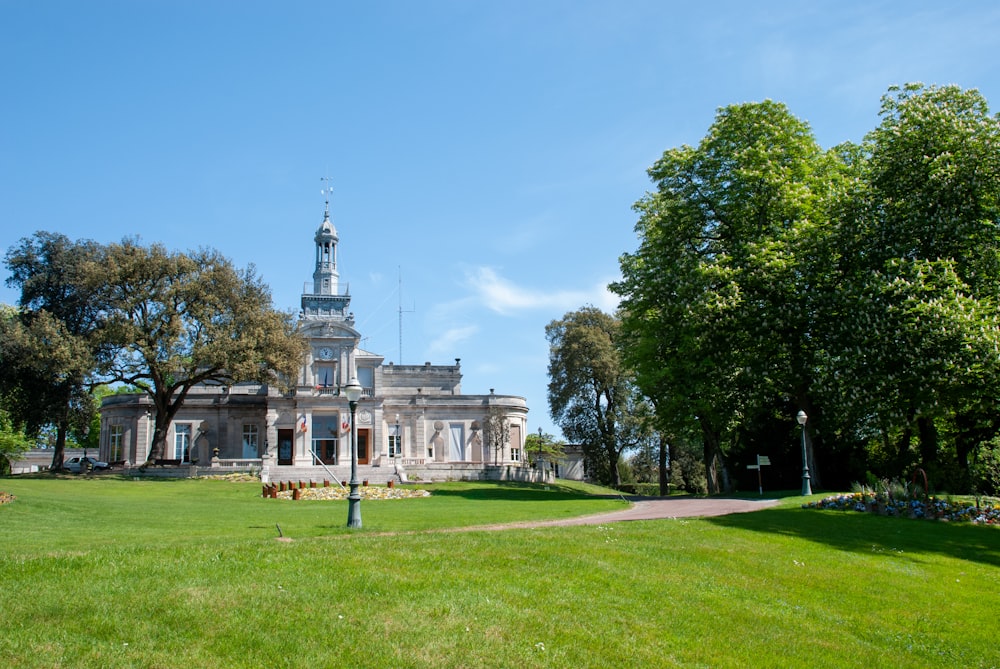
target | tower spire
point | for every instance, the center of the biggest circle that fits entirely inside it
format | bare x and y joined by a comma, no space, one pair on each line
326,190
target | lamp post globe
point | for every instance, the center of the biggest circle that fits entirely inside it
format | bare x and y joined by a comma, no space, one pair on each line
801,417
353,393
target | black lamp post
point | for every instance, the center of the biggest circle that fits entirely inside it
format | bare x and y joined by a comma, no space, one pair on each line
806,487
353,392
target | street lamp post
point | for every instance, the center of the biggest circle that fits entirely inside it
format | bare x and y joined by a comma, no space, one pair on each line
353,392
806,487
538,460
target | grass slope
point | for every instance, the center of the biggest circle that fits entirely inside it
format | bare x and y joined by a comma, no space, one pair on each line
113,573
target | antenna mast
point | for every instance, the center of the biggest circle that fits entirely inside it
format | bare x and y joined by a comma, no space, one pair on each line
401,312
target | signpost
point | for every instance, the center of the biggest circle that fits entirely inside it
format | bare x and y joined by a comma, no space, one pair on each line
762,460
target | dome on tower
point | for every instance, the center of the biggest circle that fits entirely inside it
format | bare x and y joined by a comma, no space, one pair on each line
326,231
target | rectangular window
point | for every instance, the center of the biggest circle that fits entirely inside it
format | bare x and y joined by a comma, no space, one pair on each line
395,441
116,437
182,442
250,440
366,377
456,442
326,377
515,454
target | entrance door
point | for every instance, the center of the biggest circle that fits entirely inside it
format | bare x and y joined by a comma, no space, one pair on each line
285,438
326,450
325,428
363,456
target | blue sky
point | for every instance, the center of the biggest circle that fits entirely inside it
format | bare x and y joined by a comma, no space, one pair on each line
486,153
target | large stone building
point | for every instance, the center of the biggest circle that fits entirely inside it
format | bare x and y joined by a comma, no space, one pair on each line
412,420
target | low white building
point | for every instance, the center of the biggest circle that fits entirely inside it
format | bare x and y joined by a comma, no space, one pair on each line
413,422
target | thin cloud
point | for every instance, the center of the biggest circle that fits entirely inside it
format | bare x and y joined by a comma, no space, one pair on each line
447,341
505,297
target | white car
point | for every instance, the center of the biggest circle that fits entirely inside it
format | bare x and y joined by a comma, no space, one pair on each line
78,464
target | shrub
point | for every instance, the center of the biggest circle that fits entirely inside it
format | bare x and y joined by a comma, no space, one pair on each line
986,470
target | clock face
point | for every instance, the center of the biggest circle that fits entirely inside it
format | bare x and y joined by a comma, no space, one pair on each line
326,353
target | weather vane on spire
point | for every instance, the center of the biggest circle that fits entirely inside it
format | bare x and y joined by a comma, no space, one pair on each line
326,190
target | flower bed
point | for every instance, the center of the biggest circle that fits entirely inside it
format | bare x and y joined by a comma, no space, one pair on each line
367,492
235,477
933,508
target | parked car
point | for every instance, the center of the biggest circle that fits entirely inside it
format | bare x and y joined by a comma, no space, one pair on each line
88,463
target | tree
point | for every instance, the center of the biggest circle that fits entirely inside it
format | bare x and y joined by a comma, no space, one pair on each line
644,463
858,284
687,468
543,447
13,442
650,463
175,320
919,273
715,310
48,347
591,394
496,428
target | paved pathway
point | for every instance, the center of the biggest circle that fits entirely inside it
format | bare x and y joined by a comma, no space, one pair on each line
652,509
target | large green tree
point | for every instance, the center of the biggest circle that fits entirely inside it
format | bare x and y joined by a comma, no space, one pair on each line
717,302
48,348
592,396
916,348
859,284
176,320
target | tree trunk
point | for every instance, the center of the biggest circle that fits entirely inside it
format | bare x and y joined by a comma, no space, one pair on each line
903,447
616,478
664,473
710,450
62,429
167,402
927,432
59,454
161,428
159,445
727,483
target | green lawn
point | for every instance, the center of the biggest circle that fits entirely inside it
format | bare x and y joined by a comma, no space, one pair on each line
121,573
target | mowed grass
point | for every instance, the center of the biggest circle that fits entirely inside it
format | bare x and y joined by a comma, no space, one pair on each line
120,573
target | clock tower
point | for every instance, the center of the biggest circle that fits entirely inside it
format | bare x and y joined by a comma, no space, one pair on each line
327,300
325,320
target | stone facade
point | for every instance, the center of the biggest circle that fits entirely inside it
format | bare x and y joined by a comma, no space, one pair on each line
412,420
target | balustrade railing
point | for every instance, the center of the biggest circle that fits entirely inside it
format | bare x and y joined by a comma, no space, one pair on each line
244,463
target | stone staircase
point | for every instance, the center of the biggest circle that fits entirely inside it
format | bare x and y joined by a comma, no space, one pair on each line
374,475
